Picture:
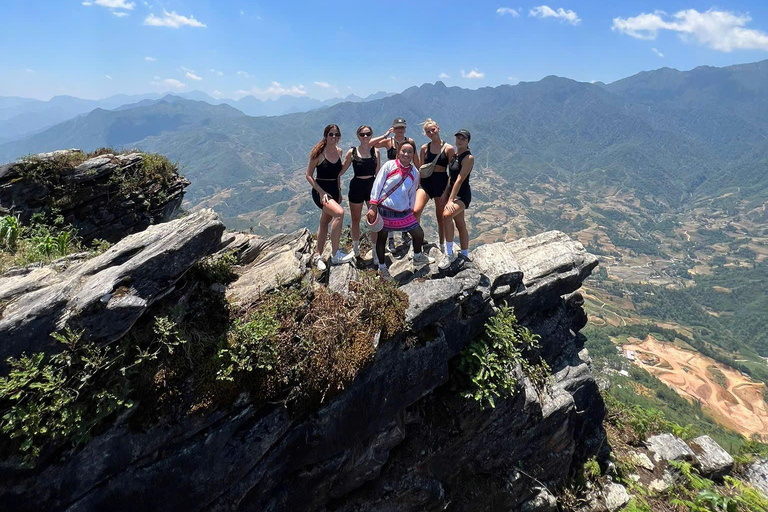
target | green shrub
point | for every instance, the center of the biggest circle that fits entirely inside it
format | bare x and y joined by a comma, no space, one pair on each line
489,364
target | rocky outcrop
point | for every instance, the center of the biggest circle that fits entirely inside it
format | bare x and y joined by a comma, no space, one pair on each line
757,475
399,438
103,296
713,461
669,448
107,197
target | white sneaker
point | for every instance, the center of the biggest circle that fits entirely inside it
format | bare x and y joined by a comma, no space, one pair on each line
422,259
341,257
384,274
318,262
446,261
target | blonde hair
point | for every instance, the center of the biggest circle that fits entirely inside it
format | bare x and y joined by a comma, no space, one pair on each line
428,122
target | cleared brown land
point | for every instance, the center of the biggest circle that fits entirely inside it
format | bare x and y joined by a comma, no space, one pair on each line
739,405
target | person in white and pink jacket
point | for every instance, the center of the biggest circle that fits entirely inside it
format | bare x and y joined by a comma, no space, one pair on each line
393,196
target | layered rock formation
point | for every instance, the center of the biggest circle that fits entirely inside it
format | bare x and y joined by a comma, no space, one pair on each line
400,437
92,196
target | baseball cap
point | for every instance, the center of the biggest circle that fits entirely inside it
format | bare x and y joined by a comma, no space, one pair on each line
398,122
464,133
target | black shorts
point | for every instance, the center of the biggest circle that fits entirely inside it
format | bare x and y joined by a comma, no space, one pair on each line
331,187
465,194
434,186
360,189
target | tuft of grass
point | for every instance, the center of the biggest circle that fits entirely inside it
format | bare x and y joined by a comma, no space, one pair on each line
43,240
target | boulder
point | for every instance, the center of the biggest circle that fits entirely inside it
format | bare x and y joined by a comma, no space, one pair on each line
668,447
92,196
544,501
103,296
270,262
340,277
712,459
757,475
641,460
616,496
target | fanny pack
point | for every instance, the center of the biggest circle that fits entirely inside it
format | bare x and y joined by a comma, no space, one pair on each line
426,170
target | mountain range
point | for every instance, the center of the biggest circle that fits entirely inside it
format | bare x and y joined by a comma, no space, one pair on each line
667,135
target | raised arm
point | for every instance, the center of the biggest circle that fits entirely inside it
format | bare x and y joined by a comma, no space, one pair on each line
381,141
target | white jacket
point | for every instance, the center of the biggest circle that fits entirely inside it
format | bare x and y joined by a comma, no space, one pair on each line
401,199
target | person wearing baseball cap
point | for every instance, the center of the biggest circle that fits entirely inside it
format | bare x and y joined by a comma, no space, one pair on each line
458,199
392,145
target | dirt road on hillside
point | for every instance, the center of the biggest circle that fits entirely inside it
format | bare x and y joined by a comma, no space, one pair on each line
739,405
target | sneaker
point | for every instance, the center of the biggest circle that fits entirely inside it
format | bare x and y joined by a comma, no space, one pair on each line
422,259
384,274
318,262
465,259
405,237
446,261
442,248
391,245
341,257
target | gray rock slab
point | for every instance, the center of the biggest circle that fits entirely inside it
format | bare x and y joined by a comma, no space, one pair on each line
757,475
713,460
668,447
105,295
616,496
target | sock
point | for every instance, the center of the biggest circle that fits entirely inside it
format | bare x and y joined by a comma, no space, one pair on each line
355,245
449,248
382,266
465,253
416,253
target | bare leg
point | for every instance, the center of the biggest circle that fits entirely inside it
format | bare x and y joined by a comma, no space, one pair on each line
439,206
336,212
373,234
461,226
322,231
450,216
355,210
421,201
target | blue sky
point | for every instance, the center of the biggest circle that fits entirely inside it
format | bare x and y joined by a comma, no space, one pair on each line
225,48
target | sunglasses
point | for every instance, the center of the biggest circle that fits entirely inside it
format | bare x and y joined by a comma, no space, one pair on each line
334,134
365,134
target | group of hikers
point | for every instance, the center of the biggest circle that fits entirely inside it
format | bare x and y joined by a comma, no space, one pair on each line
395,193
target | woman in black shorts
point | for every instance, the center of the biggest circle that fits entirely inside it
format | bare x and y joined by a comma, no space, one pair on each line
458,199
325,160
435,186
365,164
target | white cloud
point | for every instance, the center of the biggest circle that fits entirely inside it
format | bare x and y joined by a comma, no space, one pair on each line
444,75
108,77
185,69
112,4
172,20
719,30
150,59
216,94
243,73
472,74
324,85
216,72
29,70
657,52
120,14
544,11
193,76
501,11
169,83
513,79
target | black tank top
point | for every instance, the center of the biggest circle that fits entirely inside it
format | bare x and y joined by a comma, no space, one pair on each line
455,168
363,167
327,170
442,158
392,152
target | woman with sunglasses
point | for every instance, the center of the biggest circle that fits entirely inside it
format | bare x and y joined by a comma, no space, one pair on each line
393,196
434,186
458,199
365,164
325,161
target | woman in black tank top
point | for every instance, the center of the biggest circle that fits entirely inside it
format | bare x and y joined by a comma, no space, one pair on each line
325,159
459,197
435,186
365,165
